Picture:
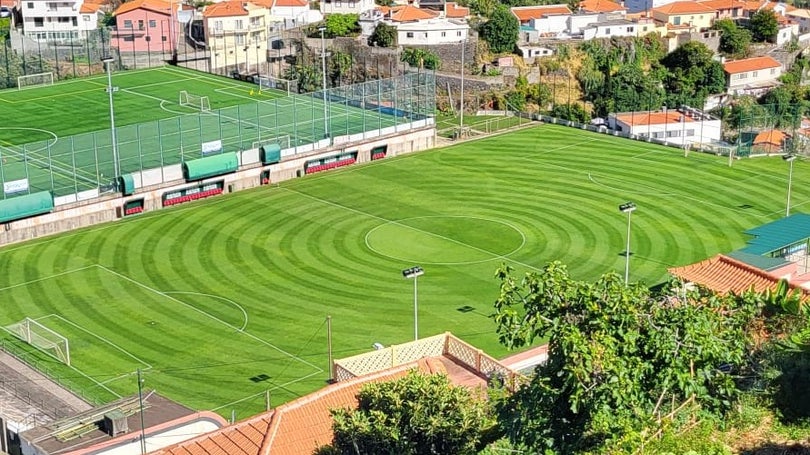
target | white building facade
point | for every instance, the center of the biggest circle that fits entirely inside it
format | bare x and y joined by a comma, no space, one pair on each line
682,126
346,7
433,31
63,20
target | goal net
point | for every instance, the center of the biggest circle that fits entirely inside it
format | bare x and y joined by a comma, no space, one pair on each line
284,142
34,80
284,85
198,102
42,338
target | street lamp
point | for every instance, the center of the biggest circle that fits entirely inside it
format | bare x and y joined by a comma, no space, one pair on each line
790,158
323,69
414,272
461,117
110,89
628,208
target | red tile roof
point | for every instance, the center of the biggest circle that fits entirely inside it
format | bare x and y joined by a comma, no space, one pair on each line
300,426
601,6
159,6
720,5
407,13
526,13
750,64
723,275
227,8
453,11
653,118
88,8
291,3
772,137
677,8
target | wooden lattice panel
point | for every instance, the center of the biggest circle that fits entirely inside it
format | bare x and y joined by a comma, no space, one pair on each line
463,352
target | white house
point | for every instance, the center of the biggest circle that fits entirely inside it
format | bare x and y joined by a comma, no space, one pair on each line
546,19
637,6
682,126
802,17
236,35
752,76
346,7
577,22
431,31
293,13
608,29
530,53
45,20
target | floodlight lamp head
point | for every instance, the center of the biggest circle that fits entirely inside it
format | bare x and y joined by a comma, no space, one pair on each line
413,272
627,207
107,59
321,29
789,157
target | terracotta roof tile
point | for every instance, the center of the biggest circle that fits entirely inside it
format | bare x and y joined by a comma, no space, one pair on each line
774,137
723,275
160,6
685,8
526,13
723,4
601,6
88,8
453,11
227,8
653,118
750,64
407,13
291,3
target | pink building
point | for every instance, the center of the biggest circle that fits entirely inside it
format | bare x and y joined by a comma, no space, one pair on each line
146,26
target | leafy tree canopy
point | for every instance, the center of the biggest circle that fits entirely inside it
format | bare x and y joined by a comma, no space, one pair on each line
417,414
501,30
692,75
734,40
384,35
764,26
342,25
421,58
620,359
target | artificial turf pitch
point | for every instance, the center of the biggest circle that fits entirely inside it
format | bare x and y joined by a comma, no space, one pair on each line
221,300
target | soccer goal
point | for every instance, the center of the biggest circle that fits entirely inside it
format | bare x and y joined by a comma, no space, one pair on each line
285,85
42,338
34,80
198,102
284,142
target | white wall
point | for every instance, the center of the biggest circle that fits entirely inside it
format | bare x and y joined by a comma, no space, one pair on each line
759,77
577,22
437,31
346,7
606,31
675,133
550,24
55,20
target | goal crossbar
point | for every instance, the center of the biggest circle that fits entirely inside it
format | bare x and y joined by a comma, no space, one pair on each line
34,80
198,102
42,338
284,141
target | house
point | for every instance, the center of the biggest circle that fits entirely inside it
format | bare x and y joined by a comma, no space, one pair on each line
453,10
527,35
769,141
609,29
726,9
431,32
346,7
292,13
752,76
602,7
302,425
57,21
115,428
779,250
236,34
685,16
637,6
407,13
681,126
802,18
368,21
146,26
530,53
549,20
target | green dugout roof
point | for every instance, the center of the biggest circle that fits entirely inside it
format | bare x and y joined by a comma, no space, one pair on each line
778,234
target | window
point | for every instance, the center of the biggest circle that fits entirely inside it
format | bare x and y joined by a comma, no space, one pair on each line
743,75
755,74
86,18
409,35
444,34
240,39
676,20
773,70
152,23
129,38
426,35
63,20
164,38
38,22
30,5
629,29
645,28
658,134
255,21
607,31
140,25
218,25
74,21
458,33
239,25
127,23
674,133
690,132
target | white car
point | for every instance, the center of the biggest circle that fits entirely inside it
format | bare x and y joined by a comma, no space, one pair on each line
5,11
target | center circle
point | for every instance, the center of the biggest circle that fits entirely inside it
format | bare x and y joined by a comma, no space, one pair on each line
445,239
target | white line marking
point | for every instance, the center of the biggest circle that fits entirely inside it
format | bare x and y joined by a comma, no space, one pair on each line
46,278
244,313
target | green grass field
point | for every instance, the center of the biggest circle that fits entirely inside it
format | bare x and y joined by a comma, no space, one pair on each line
66,127
208,297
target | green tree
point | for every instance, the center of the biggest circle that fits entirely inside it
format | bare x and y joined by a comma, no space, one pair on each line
416,414
573,112
764,26
308,77
501,30
734,40
342,25
340,66
619,360
421,58
692,75
384,35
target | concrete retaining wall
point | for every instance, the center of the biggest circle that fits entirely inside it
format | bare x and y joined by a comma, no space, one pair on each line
109,208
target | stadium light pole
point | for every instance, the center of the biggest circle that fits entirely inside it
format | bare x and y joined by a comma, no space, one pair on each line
790,158
323,69
628,208
414,272
110,89
461,112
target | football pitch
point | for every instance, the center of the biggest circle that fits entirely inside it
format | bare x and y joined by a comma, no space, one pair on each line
59,137
218,302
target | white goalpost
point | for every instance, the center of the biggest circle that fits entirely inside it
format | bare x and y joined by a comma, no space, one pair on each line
198,102
285,142
285,85
42,338
34,80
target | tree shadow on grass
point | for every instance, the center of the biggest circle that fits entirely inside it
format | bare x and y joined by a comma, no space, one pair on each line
778,449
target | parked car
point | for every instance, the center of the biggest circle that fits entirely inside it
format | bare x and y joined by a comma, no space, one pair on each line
5,11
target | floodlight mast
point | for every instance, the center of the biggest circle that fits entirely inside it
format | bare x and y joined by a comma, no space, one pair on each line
110,89
628,208
790,158
414,272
